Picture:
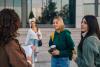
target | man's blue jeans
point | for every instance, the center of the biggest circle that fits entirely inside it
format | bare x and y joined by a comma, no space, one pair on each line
60,62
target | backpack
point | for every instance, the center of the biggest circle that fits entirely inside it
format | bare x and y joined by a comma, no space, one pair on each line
52,36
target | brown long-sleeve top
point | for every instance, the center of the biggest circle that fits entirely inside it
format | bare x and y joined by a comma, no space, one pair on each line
12,55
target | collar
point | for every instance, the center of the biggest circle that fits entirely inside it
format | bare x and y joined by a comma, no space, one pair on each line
84,34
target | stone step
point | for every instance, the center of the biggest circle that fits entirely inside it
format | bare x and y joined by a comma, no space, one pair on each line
48,30
75,33
43,55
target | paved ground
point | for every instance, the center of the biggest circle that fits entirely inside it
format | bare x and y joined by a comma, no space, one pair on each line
44,58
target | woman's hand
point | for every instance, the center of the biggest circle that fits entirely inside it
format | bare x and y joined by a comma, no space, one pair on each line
55,52
29,59
74,57
33,48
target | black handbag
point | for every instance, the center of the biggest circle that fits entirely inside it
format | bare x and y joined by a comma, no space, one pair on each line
40,43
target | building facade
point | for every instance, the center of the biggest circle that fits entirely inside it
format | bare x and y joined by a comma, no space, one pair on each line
77,8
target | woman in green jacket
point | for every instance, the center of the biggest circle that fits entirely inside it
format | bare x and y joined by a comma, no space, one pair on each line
89,47
63,44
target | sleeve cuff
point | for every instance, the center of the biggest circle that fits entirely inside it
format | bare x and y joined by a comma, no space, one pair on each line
29,61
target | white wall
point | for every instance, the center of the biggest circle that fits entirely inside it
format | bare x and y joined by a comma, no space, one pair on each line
88,1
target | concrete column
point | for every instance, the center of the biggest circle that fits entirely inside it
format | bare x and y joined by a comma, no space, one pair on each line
72,11
96,7
24,13
79,13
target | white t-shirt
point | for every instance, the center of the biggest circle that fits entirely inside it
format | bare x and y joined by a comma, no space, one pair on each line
32,35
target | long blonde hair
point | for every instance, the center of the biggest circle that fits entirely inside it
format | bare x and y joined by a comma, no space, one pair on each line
61,22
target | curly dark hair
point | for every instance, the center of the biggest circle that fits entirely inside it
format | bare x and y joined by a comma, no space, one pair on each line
9,24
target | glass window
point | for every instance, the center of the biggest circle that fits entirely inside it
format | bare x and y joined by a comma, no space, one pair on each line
37,7
61,3
58,4
12,4
17,7
45,10
99,10
29,5
1,4
9,4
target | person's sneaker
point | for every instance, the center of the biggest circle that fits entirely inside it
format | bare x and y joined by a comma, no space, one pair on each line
35,59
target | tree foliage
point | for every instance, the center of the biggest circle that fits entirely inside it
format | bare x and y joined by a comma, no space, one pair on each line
49,12
64,13
31,15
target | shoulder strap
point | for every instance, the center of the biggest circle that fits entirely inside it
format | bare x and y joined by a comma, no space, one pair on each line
52,36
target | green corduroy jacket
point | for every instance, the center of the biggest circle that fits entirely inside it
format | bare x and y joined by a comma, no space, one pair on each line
63,42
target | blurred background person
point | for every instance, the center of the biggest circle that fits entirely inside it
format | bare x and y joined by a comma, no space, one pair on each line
32,40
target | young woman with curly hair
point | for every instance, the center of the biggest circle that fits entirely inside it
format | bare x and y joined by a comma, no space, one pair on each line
11,53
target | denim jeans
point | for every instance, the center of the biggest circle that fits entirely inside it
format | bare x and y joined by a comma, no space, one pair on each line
28,49
34,42
34,54
60,62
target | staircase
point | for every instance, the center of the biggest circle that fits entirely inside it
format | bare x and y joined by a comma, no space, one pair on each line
44,56
75,33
